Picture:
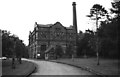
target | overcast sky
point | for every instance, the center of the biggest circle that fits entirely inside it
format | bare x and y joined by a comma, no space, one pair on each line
19,16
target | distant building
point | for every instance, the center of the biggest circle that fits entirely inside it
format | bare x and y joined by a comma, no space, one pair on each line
45,37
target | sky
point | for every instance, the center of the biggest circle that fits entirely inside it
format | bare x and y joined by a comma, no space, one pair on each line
19,16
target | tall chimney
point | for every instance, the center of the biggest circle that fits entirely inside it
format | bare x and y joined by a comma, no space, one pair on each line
75,27
74,17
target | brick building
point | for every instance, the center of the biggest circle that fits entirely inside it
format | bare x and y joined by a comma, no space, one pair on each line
45,37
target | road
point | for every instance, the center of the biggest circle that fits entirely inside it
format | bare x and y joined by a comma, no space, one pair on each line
52,68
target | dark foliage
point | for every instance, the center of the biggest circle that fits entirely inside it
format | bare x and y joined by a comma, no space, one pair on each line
84,46
12,45
69,50
107,32
58,51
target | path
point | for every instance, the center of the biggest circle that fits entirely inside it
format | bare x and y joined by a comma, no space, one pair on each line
51,68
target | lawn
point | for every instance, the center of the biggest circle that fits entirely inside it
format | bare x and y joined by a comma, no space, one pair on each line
21,69
106,67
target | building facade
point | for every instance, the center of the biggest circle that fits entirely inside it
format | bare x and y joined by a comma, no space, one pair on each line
45,37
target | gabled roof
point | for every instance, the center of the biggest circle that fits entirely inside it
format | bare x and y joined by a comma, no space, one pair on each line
59,24
42,25
50,25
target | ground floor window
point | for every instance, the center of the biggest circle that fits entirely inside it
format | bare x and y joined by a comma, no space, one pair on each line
43,47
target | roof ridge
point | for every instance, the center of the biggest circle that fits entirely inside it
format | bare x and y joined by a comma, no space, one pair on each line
44,25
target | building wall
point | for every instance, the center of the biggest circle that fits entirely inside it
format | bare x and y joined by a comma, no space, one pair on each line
55,34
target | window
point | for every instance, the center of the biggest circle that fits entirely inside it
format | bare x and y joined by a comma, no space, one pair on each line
43,35
43,47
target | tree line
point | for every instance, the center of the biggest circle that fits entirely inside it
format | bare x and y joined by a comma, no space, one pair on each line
106,32
13,46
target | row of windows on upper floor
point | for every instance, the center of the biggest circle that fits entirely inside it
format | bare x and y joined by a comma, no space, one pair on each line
46,34
34,32
32,43
55,34
53,38
57,37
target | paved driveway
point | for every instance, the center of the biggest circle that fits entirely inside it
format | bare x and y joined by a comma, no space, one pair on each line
51,68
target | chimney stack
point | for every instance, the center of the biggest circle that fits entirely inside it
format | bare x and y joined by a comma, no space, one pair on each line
74,17
75,26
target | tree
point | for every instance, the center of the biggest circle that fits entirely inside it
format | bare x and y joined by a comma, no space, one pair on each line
58,51
69,50
84,44
109,38
97,12
12,46
7,44
116,8
108,33
91,42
